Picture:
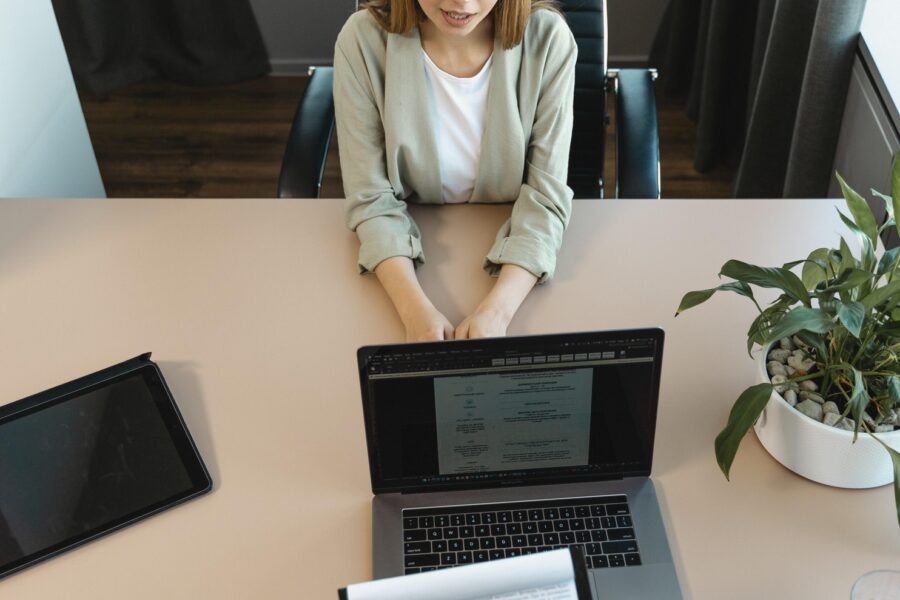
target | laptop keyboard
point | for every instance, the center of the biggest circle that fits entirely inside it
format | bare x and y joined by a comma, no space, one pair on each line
440,538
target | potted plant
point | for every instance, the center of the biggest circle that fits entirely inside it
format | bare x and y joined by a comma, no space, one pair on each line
828,406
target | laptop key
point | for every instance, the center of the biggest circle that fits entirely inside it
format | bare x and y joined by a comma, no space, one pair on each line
617,509
455,545
488,518
529,527
551,514
456,520
481,556
551,539
441,521
450,533
535,539
483,531
466,532
593,523
529,550
415,535
512,552
545,526
598,510
434,534
426,522
495,554
471,544
417,548
410,523
616,560
583,537
519,540
593,549
632,560
576,523
621,534
567,512
535,515
439,546
566,537
514,529
619,547
560,525
504,542
623,521
464,558
487,543
410,571
473,519
599,562
448,558
421,560
504,517
598,535
520,515
608,522
583,511
498,529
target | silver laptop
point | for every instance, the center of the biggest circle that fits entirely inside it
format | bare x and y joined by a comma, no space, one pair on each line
485,449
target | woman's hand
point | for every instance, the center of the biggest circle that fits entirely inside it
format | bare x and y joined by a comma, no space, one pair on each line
423,322
495,312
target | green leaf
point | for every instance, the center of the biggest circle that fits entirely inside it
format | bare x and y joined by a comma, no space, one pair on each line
895,459
767,277
880,295
813,340
859,399
848,261
772,314
744,413
692,299
852,315
893,385
810,319
815,268
888,206
895,188
862,214
867,260
888,261
848,279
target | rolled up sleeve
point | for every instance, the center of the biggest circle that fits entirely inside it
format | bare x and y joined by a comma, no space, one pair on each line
379,218
532,236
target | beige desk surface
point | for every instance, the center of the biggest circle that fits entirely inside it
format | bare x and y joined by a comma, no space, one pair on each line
254,310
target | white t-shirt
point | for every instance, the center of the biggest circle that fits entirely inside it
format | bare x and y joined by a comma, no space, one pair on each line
458,108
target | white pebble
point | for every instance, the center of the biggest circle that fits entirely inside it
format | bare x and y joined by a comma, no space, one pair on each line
831,419
776,368
811,410
812,396
809,385
779,382
790,396
884,428
779,354
831,407
786,344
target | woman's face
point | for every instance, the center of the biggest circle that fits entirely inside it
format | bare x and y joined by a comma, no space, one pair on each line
456,17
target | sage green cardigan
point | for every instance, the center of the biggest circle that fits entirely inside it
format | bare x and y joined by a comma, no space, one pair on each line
388,148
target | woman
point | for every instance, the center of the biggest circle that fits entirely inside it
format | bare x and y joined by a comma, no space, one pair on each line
441,101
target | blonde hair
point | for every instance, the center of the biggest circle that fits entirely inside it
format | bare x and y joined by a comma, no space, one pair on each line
510,16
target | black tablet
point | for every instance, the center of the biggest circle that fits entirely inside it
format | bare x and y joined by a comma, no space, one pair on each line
89,457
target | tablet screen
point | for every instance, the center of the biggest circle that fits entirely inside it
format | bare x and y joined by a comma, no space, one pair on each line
96,459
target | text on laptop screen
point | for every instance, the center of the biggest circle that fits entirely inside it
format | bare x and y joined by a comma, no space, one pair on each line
512,410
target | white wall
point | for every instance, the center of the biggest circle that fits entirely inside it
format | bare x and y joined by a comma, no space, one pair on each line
45,149
299,33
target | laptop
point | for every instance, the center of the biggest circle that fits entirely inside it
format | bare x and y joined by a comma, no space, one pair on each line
485,449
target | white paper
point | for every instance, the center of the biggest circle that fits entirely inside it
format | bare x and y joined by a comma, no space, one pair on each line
513,421
543,576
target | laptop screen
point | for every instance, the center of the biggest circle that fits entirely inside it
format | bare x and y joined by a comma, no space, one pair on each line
511,411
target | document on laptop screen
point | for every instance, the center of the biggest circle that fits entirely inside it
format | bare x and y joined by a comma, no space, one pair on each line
543,576
513,421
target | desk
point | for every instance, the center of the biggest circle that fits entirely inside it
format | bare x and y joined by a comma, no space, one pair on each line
254,310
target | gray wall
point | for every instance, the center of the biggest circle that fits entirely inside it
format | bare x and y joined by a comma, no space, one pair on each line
44,145
299,33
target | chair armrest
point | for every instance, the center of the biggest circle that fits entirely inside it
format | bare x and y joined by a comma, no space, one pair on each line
637,135
307,145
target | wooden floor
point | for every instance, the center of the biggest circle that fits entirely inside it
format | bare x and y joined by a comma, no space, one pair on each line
161,139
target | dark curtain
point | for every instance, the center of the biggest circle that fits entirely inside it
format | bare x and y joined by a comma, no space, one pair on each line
766,82
114,43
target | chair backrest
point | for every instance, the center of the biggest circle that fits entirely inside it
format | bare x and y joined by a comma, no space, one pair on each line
587,20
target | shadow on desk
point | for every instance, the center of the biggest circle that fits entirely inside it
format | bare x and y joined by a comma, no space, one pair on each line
185,385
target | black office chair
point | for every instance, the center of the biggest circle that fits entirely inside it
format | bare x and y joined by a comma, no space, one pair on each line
637,137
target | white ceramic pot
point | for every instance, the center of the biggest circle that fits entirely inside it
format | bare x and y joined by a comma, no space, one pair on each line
819,452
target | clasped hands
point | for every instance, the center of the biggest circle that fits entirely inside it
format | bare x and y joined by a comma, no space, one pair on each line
424,322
